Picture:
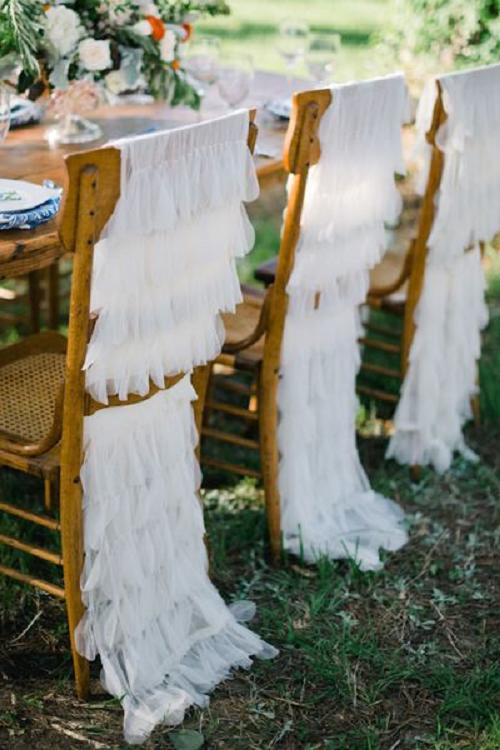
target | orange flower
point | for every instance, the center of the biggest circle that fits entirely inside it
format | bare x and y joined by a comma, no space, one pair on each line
188,28
157,27
176,64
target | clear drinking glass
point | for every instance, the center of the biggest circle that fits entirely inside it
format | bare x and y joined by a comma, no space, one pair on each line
293,43
201,61
321,55
234,78
4,111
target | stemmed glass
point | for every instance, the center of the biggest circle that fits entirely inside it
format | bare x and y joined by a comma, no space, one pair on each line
320,56
4,111
234,78
292,44
201,61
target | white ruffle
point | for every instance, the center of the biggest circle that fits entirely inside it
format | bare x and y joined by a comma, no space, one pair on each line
164,268
469,196
434,403
442,374
351,192
163,633
327,506
171,178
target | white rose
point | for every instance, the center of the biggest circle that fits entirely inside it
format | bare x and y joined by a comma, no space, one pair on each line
143,28
167,46
62,28
115,82
95,54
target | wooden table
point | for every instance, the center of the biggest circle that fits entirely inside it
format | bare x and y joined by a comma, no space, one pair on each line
26,155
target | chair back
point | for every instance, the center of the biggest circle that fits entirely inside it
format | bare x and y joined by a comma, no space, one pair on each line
462,137
305,217
96,180
301,150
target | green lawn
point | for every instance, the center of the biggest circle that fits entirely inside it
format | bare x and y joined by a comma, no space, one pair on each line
404,659
252,28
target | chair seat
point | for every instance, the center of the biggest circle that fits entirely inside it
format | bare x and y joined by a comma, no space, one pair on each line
31,381
241,324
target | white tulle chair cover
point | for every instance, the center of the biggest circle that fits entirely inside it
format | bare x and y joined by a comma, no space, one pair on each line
327,505
442,375
164,270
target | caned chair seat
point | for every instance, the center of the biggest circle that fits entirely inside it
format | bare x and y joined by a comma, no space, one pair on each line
241,324
388,271
31,386
385,275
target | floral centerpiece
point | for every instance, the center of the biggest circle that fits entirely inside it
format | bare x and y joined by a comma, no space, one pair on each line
122,45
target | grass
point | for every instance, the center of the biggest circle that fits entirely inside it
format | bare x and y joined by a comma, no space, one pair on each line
252,29
407,658
404,659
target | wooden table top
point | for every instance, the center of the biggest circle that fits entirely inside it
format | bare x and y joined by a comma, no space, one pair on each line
25,154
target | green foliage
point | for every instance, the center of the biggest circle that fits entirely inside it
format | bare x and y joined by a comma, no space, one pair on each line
443,34
20,32
175,10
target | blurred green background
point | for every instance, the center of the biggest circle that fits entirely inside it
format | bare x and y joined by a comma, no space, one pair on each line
253,25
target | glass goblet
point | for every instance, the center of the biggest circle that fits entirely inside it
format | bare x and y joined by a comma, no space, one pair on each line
234,78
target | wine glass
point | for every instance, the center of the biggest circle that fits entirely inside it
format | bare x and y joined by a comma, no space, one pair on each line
201,61
4,111
292,44
234,78
321,54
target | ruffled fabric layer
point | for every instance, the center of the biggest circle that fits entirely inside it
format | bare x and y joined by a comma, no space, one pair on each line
162,631
351,192
436,396
164,268
452,308
327,506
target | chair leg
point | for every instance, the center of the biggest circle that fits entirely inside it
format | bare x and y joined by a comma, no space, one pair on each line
476,410
34,297
415,473
269,456
475,402
72,553
200,380
53,296
50,491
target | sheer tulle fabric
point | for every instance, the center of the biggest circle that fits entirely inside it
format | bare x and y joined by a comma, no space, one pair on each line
165,266
442,377
327,504
164,635
164,271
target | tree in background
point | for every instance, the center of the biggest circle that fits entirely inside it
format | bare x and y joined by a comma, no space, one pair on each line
437,35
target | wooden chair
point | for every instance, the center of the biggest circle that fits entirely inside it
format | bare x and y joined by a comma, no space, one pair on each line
397,291
396,284
43,399
254,334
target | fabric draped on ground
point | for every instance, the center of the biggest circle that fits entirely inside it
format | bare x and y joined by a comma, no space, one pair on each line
442,374
327,504
164,271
